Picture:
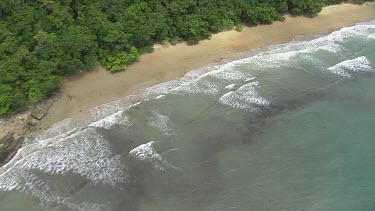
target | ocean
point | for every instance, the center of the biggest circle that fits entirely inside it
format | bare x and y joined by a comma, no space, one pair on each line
288,127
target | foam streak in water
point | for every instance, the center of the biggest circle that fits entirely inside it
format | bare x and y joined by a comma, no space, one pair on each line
110,121
85,153
147,152
160,122
360,64
245,97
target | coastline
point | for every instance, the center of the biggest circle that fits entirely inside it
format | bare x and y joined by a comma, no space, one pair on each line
87,90
90,89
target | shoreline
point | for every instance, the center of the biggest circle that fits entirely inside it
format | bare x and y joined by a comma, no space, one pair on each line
91,89
87,90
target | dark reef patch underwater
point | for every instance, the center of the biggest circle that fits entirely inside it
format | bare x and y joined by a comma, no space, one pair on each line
289,128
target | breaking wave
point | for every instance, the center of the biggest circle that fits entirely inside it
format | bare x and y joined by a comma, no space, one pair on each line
360,64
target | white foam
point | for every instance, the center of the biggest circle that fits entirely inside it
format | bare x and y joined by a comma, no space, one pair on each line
230,86
277,59
198,87
190,77
280,54
360,31
339,71
146,152
135,104
112,120
333,48
359,64
371,36
316,62
245,97
40,188
250,79
85,153
159,97
160,122
229,73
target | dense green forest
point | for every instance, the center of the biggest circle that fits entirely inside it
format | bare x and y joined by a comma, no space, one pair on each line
41,41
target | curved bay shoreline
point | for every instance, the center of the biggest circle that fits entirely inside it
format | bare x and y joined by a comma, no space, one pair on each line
87,90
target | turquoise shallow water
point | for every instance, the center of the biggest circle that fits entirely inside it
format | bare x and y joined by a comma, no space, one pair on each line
289,128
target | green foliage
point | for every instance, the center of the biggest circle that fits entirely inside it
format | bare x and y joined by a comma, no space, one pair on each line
308,7
359,1
261,15
239,27
118,61
42,41
6,99
192,28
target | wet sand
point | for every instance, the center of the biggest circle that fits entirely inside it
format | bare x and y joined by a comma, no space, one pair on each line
90,89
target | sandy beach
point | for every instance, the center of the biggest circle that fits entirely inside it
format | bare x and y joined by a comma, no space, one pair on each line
97,87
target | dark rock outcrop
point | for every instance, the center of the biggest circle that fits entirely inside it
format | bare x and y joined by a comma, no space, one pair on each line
8,147
13,127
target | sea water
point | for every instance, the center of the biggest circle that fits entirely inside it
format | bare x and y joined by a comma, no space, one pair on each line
290,128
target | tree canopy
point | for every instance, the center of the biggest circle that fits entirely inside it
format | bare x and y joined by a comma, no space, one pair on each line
41,41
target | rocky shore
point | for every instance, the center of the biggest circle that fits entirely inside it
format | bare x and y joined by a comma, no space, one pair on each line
15,127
